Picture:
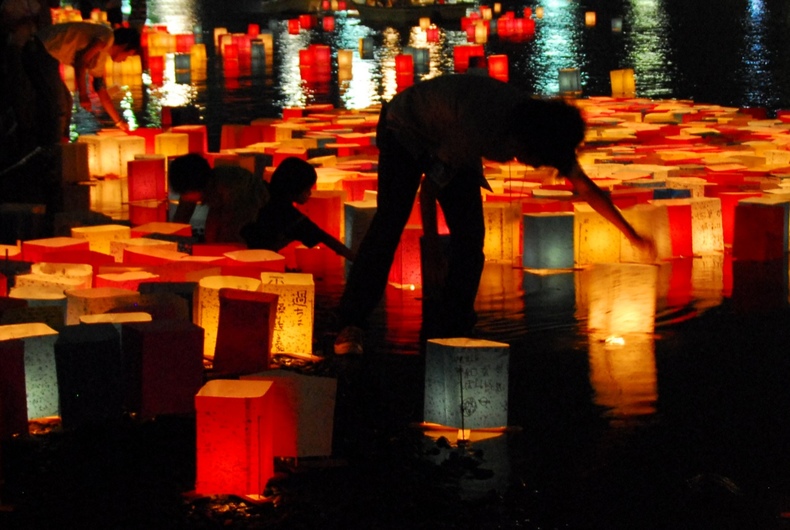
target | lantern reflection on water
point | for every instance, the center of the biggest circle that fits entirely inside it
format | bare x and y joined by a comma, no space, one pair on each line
621,298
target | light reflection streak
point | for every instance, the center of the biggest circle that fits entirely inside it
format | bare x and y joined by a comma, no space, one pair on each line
180,16
646,47
287,49
755,56
556,45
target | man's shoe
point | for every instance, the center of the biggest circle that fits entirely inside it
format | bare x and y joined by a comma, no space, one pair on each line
349,340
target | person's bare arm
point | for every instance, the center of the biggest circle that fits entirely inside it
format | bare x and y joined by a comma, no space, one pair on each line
81,60
601,203
109,106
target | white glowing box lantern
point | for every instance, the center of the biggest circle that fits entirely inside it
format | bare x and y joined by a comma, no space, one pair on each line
96,300
707,234
41,380
262,260
100,237
304,410
623,82
570,81
466,383
207,304
171,144
234,437
62,275
100,163
622,298
623,374
502,226
293,329
595,239
117,247
548,240
359,215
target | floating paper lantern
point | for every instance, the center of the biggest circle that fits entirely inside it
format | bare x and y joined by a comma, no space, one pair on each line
100,237
41,381
163,366
207,304
95,300
406,272
761,229
130,280
293,332
304,409
548,240
344,58
596,240
234,437
245,331
617,24
502,228
77,275
45,304
622,298
118,247
466,383
498,67
570,82
328,23
170,229
623,83
172,144
589,18
36,250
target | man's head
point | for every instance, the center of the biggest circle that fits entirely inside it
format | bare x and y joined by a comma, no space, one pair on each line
126,43
293,179
188,176
547,133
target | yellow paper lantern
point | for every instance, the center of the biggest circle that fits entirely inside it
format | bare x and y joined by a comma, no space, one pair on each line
293,329
207,305
623,82
100,237
96,300
502,226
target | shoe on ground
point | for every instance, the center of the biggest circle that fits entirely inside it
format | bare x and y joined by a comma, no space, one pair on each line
349,341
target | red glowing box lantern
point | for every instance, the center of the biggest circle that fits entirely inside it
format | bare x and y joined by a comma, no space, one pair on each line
328,23
207,304
404,64
253,30
36,250
432,34
405,272
147,179
293,26
498,67
184,42
156,68
234,437
463,53
245,331
170,229
162,366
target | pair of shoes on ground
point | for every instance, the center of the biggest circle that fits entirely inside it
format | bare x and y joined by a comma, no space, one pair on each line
349,341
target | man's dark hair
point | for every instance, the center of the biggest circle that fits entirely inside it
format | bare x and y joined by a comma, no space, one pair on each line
292,177
188,173
129,39
551,130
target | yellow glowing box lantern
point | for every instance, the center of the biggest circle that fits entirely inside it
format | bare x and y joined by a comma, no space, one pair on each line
207,305
589,18
96,300
466,383
650,219
293,328
623,374
623,82
171,144
595,240
41,380
100,237
62,275
622,298
304,410
502,224
234,437
118,246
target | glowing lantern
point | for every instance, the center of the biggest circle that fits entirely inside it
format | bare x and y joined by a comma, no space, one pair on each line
156,68
234,437
425,23
100,236
406,272
207,304
432,34
147,179
404,64
197,55
172,144
344,58
650,219
623,83
293,26
117,248
617,24
117,319
252,262
293,332
548,240
64,275
198,137
218,32
761,229
596,240
41,380
46,304
35,250
570,82
466,383
498,67
623,374
622,298
130,280
358,215
590,18
170,229
366,47
95,300
163,366
502,231
304,409
328,23
245,331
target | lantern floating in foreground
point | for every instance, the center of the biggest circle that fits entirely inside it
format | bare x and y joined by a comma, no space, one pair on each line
207,304
466,383
245,331
234,438
293,331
